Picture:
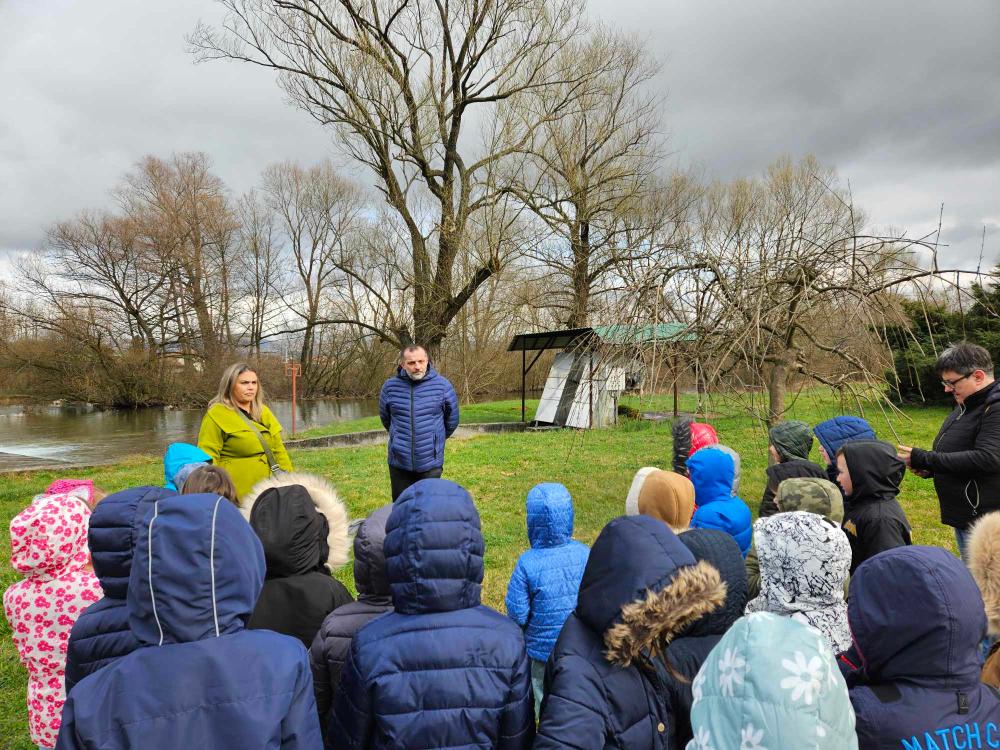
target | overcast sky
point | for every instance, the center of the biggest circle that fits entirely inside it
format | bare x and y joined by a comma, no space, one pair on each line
901,96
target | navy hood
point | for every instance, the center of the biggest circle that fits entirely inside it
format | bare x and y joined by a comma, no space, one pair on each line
114,526
179,455
550,515
833,433
720,550
369,555
434,549
631,556
916,614
198,571
876,471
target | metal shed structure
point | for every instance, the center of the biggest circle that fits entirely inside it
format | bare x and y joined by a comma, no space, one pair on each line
582,367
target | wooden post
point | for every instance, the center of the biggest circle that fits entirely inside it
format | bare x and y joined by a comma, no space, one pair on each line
673,369
524,359
293,369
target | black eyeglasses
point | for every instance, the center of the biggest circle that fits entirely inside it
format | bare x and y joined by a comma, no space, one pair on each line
956,381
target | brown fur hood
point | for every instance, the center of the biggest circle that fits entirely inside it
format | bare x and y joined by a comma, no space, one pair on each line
984,562
648,625
324,497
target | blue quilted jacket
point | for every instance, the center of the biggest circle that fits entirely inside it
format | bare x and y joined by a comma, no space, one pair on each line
419,415
711,473
441,670
542,590
199,678
101,634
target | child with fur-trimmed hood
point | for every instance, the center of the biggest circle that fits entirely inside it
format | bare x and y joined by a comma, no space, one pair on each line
984,563
302,525
640,589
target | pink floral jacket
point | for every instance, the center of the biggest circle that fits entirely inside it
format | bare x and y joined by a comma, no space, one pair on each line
48,543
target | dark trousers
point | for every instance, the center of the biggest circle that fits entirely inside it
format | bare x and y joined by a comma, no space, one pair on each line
401,478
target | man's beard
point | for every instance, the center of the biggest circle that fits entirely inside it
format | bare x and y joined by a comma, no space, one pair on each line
417,375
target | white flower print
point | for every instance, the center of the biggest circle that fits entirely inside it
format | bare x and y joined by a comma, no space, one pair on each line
697,685
750,738
703,739
732,667
805,678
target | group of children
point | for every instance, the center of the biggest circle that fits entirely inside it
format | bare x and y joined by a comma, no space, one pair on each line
183,615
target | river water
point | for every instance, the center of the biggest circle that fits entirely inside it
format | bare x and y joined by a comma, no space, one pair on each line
35,434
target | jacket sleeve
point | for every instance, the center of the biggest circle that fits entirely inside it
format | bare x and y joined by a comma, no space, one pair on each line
321,678
451,414
571,716
211,438
300,727
517,722
981,460
753,572
352,718
518,601
384,412
767,505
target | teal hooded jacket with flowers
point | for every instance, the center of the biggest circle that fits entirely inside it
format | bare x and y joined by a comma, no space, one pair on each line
771,683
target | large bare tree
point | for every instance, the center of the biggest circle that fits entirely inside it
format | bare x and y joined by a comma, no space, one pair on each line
413,88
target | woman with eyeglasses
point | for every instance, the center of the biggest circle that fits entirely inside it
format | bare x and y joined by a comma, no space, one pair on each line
964,460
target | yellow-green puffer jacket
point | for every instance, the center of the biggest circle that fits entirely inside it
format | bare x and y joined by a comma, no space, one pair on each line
234,446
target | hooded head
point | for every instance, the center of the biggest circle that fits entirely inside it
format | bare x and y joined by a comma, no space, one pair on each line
804,562
665,495
81,488
300,519
179,461
550,515
833,433
917,615
712,472
198,571
737,464
369,557
689,437
434,549
49,537
721,551
812,494
791,439
114,529
876,471
766,667
642,587
984,563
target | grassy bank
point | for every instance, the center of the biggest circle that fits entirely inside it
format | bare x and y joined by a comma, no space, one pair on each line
596,466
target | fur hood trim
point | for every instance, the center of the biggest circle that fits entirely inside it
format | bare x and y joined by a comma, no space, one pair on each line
324,497
984,562
648,625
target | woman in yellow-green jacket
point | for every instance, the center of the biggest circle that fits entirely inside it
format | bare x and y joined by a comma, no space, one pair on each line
236,428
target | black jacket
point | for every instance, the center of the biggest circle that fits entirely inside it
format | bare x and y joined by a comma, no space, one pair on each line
688,651
333,641
965,459
873,519
298,591
778,473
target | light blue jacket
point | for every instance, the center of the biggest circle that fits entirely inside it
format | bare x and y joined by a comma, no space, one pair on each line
771,683
543,588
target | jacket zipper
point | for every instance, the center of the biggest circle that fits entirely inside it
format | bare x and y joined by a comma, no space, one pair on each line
413,433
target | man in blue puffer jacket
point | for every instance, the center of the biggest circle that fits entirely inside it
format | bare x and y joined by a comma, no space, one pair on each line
542,590
711,473
101,633
419,408
200,678
441,670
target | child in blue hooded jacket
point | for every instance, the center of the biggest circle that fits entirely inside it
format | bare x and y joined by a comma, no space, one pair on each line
543,588
711,472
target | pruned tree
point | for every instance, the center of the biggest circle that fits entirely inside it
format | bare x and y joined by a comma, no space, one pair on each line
408,84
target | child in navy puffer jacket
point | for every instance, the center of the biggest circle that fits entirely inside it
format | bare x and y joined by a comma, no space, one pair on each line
542,590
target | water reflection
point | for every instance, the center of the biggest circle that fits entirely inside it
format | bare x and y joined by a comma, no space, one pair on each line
30,433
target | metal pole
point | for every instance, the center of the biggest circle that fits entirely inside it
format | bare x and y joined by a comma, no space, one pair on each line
295,372
524,359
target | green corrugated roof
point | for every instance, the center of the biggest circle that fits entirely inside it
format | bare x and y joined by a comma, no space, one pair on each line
624,333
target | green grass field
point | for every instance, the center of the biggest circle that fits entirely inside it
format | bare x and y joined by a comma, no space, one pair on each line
597,466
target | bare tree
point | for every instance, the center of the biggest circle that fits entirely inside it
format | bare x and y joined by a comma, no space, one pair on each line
259,270
407,83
